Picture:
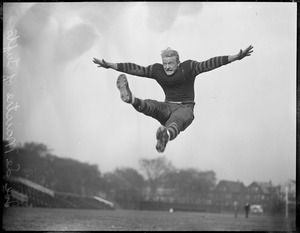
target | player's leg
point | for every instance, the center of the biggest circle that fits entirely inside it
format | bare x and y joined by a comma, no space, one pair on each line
173,117
158,110
180,118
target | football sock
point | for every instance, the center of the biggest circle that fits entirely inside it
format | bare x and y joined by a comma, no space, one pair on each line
173,131
140,106
136,102
132,99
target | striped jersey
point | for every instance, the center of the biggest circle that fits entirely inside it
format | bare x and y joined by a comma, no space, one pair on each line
178,87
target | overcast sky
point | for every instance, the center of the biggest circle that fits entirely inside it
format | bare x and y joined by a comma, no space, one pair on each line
245,113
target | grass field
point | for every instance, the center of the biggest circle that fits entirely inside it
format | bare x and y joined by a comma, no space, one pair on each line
44,219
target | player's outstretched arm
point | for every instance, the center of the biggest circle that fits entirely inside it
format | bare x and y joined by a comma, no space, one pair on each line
105,64
242,54
129,68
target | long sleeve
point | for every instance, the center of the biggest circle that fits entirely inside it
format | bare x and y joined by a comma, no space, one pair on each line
134,69
210,64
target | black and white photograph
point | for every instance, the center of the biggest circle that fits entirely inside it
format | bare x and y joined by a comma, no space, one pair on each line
149,116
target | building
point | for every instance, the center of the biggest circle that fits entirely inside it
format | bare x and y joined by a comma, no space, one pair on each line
264,194
226,193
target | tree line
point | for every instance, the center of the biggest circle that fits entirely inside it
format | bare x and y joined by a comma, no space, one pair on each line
123,185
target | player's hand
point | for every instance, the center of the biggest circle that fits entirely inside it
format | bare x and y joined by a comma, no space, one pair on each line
245,53
102,63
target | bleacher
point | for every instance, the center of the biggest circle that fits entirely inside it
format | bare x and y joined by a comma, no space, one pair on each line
27,193
78,201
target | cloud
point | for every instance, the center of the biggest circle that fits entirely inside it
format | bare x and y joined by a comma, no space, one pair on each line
161,16
76,38
33,23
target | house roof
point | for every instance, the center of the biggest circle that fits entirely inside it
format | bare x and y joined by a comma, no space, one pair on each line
265,186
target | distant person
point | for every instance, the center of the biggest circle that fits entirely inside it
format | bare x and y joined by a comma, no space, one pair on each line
235,208
247,209
177,79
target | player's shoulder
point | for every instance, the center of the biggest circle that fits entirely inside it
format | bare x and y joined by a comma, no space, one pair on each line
157,66
186,61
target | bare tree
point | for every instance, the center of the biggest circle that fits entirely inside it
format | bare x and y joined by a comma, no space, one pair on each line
155,170
191,185
124,185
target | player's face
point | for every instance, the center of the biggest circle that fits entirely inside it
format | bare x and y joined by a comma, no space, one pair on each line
170,65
